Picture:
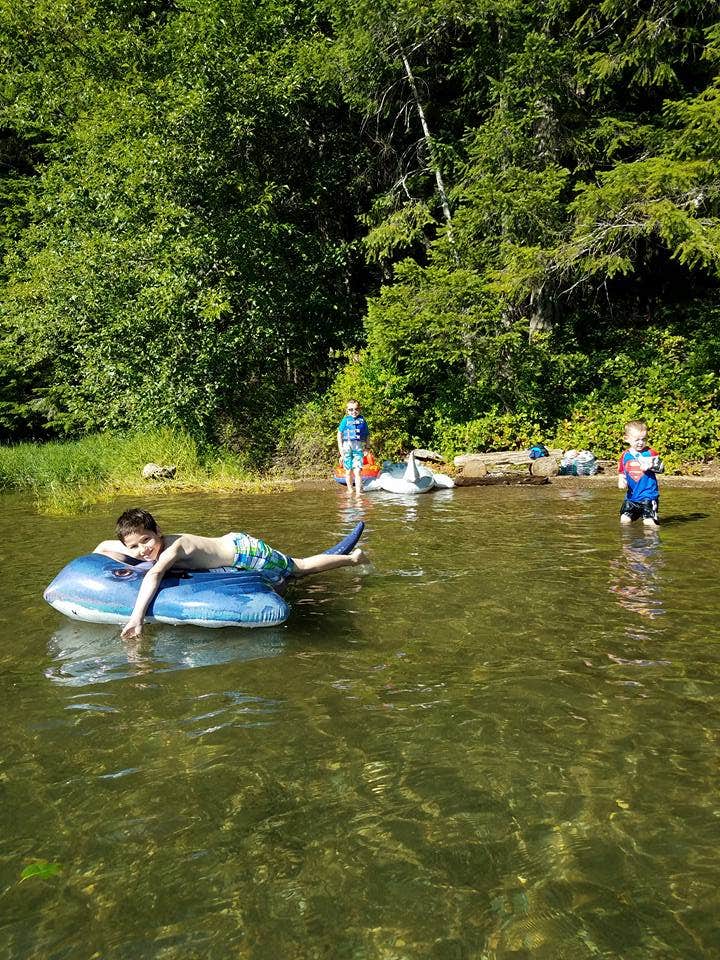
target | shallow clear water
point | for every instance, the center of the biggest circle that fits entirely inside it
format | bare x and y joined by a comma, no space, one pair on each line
499,741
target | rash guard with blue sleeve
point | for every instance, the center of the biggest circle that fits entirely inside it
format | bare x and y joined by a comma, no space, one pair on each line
641,484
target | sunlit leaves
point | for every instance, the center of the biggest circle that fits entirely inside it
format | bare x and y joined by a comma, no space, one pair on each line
398,230
182,232
658,200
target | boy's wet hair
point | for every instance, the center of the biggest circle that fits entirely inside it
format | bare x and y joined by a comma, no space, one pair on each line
133,520
635,426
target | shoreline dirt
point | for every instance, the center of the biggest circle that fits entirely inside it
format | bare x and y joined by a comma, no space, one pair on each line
699,475
676,481
707,475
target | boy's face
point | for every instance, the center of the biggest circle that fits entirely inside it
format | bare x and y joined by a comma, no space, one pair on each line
144,544
636,440
352,409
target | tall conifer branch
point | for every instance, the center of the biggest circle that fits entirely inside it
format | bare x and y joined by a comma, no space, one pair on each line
434,164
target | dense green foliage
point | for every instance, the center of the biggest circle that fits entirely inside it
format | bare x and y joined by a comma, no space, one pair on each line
493,222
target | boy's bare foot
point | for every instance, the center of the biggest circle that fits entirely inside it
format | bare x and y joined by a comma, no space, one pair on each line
358,557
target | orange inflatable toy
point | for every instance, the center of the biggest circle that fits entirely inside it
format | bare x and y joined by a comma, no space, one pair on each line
370,469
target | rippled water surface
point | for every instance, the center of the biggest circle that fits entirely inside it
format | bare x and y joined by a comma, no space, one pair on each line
500,740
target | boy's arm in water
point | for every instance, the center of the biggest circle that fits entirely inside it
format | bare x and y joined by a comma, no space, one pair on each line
180,549
189,552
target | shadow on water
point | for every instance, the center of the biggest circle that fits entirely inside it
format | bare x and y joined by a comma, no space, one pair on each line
86,653
683,518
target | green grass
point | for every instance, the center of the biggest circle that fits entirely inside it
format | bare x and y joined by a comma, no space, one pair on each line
64,477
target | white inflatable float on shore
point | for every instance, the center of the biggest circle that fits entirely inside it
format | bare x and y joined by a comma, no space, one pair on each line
409,477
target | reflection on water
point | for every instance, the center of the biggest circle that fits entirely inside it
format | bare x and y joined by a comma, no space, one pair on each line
88,653
498,744
363,507
636,575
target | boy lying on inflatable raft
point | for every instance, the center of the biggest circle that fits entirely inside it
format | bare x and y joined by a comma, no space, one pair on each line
141,539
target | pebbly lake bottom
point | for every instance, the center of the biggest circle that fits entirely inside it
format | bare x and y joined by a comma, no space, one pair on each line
500,740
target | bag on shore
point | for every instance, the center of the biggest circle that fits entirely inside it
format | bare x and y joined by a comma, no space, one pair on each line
578,463
538,450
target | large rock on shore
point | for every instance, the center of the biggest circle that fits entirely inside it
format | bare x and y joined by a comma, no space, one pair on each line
545,467
474,468
153,471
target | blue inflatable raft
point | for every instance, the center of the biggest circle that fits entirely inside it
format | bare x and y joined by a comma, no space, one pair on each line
99,589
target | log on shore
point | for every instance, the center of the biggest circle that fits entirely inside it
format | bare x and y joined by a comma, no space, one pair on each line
499,457
504,479
427,456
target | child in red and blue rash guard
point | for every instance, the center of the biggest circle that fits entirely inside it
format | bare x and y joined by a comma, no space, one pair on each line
637,469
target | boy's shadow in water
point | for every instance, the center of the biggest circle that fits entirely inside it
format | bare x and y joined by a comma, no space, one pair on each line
682,518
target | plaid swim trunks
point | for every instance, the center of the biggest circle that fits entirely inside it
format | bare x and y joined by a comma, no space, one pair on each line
252,554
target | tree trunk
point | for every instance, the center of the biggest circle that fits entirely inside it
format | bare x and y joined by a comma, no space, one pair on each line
434,165
542,312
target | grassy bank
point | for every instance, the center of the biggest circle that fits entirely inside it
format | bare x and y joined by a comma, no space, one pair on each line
64,477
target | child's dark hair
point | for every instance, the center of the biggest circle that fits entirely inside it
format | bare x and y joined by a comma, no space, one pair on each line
133,520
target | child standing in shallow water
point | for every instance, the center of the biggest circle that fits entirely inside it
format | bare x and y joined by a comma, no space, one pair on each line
352,435
637,469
